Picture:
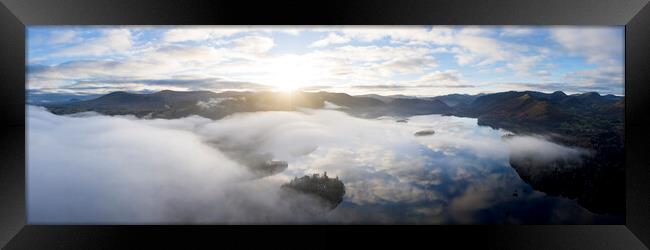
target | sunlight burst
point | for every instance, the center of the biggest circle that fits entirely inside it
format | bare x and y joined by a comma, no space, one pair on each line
292,73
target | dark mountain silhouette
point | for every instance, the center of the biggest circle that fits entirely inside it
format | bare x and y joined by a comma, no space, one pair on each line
521,112
401,107
587,120
172,104
382,98
457,100
34,97
569,119
387,98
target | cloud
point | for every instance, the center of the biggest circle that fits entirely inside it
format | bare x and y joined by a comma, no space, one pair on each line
371,53
217,34
66,36
197,34
441,77
179,54
447,79
525,64
293,32
420,35
148,85
112,41
344,56
543,150
479,49
599,45
602,78
120,170
375,64
407,65
127,170
517,31
332,38
174,63
253,44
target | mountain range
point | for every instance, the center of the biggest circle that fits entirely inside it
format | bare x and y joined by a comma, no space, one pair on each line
556,114
174,104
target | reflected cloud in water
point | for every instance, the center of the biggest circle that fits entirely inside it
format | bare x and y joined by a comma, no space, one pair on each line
458,175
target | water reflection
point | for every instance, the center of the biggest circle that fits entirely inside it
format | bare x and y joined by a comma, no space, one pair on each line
459,175
107,170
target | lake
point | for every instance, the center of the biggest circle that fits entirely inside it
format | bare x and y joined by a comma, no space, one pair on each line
91,168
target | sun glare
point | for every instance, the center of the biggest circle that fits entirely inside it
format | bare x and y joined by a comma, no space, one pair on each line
291,73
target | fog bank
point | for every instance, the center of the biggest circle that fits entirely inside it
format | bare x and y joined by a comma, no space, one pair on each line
91,168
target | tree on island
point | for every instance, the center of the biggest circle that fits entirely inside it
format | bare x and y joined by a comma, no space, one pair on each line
331,190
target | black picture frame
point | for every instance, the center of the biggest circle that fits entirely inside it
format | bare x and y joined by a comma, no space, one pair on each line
15,15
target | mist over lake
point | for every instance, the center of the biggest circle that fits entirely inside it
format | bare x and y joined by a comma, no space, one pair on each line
129,170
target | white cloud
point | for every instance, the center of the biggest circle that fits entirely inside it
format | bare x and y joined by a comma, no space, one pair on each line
347,65
516,31
441,77
524,65
198,34
597,79
599,45
543,150
253,44
164,63
111,42
332,38
480,50
372,53
61,37
97,169
293,32
245,54
411,65
409,35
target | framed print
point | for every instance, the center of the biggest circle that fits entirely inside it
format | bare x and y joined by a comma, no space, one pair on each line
145,121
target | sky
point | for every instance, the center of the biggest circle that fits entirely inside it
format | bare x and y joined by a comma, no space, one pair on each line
409,60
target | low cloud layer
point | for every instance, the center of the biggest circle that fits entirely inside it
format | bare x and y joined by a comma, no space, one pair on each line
544,151
99,169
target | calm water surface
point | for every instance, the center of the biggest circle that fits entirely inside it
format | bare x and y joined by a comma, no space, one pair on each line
122,170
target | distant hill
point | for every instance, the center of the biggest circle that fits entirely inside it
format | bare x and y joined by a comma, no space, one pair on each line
587,120
173,104
163,104
451,100
39,98
382,98
457,100
535,112
569,119
523,112
387,98
403,106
